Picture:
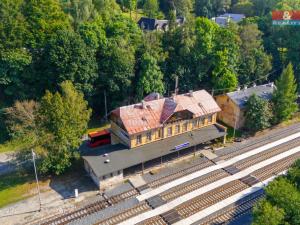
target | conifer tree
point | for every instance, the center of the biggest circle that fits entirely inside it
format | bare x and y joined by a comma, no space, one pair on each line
285,95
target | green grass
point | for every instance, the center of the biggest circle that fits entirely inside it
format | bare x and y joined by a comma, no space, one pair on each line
15,187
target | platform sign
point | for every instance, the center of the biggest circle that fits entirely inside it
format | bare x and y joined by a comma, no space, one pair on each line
286,18
181,146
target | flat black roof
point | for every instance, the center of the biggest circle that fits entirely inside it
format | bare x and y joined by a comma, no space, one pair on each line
121,157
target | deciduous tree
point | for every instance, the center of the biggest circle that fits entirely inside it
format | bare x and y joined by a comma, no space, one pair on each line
265,213
151,8
63,118
150,77
258,114
67,57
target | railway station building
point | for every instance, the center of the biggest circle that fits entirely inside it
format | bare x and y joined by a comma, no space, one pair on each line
144,133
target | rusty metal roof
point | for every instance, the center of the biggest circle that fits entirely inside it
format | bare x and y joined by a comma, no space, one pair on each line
154,113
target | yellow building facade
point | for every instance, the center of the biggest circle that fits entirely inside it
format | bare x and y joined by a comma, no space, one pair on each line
166,131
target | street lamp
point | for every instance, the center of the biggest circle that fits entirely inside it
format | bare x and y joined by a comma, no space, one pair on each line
36,178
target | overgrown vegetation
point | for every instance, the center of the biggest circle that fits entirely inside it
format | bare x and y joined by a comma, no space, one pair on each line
281,205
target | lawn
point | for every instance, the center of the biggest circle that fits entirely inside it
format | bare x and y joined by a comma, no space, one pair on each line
15,187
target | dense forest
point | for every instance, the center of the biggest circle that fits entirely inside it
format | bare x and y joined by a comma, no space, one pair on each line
58,59
98,46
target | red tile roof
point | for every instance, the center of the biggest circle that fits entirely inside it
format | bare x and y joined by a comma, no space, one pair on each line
152,114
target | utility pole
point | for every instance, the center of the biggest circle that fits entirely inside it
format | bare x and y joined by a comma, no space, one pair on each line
36,177
176,85
105,103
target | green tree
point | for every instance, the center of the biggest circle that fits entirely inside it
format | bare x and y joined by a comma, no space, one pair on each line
21,120
150,77
204,8
243,7
151,8
117,60
62,120
294,174
44,18
131,5
183,7
265,213
258,114
67,57
254,63
221,6
285,195
285,95
80,11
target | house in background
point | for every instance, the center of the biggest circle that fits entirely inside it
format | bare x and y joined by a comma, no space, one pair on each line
225,19
233,104
144,133
150,24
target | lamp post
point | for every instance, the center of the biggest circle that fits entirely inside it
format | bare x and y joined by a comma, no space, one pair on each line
36,178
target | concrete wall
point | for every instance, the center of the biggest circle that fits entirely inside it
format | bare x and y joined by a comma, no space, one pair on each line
89,170
104,181
111,179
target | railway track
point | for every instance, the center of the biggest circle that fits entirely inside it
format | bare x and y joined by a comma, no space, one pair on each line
179,174
184,188
90,209
233,212
258,143
267,154
219,174
210,198
140,208
100,205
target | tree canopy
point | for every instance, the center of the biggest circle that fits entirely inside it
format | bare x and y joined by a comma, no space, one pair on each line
285,95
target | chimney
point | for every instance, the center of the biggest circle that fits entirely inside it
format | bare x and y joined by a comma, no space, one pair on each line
143,104
254,85
239,88
191,94
245,88
157,96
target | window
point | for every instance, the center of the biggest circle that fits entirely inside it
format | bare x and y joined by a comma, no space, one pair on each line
177,129
185,127
159,134
201,121
149,136
209,119
111,174
138,139
169,131
194,124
